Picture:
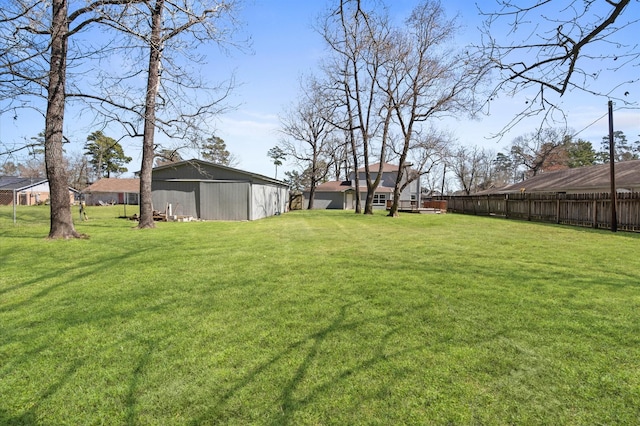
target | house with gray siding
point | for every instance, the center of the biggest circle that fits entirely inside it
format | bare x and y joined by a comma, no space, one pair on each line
341,195
209,191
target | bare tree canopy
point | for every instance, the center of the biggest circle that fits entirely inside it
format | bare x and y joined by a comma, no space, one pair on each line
427,79
308,133
141,76
545,49
390,83
37,42
176,99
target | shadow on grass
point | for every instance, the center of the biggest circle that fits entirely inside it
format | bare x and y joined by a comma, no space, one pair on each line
288,403
134,382
30,415
83,269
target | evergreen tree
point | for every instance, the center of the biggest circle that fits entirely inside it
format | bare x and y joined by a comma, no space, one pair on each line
215,151
581,153
624,150
277,155
106,155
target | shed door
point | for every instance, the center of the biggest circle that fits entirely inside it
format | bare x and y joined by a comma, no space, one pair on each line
224,200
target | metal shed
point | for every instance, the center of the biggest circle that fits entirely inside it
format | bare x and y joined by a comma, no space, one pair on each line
210,191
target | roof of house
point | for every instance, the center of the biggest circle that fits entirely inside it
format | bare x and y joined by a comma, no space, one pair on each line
344,186
334,186
18,183
114,185
589,178
386,167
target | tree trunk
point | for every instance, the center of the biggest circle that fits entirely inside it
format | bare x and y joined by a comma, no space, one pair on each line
368,204
60,205
397,189
153,83
393,211
314,181
312,194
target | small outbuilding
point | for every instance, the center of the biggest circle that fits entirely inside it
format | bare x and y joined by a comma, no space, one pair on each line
209,191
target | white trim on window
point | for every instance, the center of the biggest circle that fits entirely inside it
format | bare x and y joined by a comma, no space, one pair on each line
379,199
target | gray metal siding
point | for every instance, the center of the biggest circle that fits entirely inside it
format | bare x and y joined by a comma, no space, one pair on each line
212,192
325,200
183,197
224,200
264,201
260,202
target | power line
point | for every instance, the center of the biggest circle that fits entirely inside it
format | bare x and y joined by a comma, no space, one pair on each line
589,125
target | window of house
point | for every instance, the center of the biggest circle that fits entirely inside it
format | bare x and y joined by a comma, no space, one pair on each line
379,198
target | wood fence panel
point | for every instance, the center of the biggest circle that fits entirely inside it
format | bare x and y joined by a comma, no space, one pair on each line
585,210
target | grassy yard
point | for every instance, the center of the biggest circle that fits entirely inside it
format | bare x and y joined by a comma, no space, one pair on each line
314,318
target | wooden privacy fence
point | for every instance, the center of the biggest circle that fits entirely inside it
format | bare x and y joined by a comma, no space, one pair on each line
588,210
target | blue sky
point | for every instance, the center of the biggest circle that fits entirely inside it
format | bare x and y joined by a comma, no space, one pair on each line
286,46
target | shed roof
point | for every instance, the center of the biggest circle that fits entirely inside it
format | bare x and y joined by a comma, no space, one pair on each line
114,185
589,178
196,163
19,183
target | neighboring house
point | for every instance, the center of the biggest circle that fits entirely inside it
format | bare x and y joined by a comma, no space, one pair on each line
27,191
580,180
113,191
210,191
341,195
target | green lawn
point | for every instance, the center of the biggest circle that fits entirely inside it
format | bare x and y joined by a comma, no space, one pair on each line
318,318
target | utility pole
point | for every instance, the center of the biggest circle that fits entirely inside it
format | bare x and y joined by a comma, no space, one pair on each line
612,172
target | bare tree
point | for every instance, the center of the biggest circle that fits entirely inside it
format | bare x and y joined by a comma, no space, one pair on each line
393,79
539,151
545,49
78,170
178,101
427,151
308,133
470,166
9,168
359,41
425,79
34,57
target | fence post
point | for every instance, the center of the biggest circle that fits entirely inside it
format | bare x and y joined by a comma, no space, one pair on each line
557,208
506,206
612,172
